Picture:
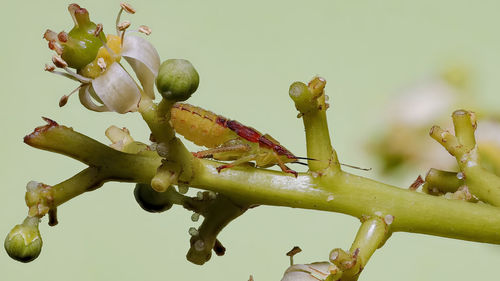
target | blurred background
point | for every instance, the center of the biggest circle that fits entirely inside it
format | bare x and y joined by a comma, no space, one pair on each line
377,56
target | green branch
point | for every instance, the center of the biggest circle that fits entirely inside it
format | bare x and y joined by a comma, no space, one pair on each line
344,193
483,184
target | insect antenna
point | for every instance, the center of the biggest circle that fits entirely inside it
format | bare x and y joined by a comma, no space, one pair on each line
345,165
301,163
355,167
305,158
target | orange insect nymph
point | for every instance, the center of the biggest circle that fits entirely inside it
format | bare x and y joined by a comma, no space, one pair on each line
228,139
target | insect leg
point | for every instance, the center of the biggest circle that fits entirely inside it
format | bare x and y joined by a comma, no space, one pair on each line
238,161
283,167
209,153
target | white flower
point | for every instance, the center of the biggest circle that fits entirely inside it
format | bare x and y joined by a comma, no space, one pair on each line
105,84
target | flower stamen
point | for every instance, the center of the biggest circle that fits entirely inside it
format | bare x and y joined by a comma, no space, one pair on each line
124,7
127,7
122,27
64,99
102,64
59,62
144,29
49,68
54,40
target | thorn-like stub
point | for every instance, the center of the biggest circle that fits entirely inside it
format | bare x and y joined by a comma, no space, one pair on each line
302,97
41,129
316,86
53,221
417,183
219,249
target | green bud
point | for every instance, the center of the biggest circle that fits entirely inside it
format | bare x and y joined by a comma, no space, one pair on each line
24,243
177,80
150,200
82,43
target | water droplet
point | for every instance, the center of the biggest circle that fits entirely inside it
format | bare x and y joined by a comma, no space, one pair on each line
195,217
162,149
199,245
460,175
183,189
199,195
32,185
193,231
389,219
212,195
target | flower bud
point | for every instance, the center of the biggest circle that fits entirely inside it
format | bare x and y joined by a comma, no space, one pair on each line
177,79
24,243
150,200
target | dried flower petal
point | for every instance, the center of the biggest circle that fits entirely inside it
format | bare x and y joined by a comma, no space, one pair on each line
307,272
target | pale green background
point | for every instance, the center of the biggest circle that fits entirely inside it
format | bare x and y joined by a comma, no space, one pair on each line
247,53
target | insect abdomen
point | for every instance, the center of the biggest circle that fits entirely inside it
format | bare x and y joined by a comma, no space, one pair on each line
199,125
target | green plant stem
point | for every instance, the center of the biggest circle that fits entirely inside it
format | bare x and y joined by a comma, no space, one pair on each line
157,118
483,184
344,192
480,182
356,196
371,235
318,141
218,214
437,181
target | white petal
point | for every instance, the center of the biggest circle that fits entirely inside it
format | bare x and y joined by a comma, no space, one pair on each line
117,90
307,272
144,59
423,103
86,99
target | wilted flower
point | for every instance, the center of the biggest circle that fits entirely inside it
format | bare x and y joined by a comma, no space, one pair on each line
104,84
312,272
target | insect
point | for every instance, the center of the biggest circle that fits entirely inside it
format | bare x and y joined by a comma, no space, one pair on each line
229,140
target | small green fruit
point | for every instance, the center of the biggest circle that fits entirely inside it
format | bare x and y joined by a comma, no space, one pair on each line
150,200
177,80
81,45
24,243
